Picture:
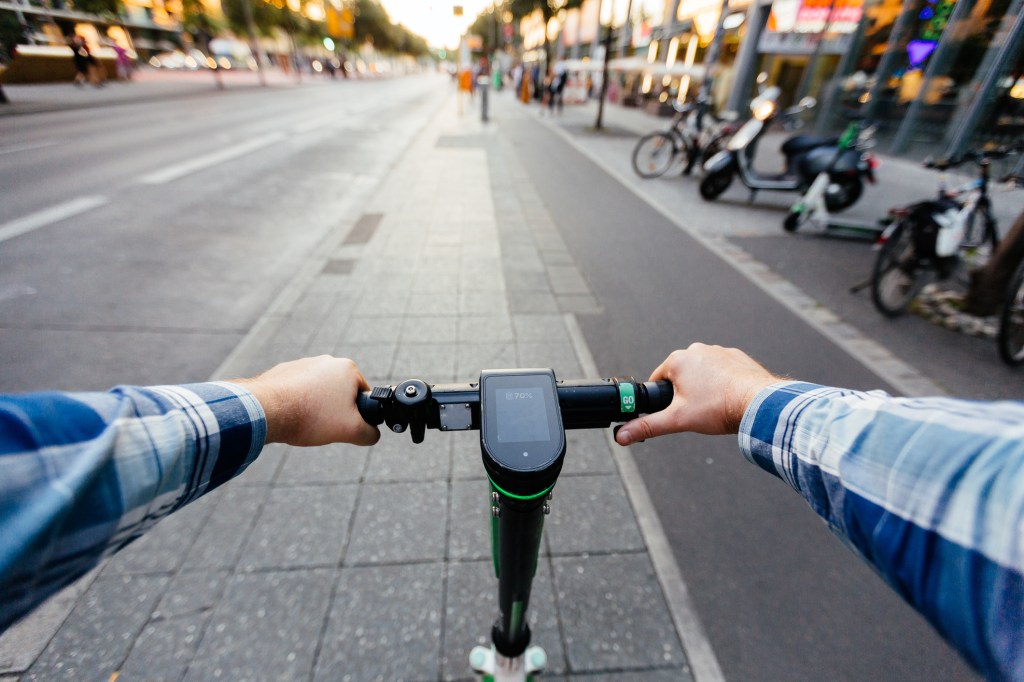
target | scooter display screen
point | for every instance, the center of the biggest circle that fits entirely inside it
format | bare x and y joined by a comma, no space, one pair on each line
520,420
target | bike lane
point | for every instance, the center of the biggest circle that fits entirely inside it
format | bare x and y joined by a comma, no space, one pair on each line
778,596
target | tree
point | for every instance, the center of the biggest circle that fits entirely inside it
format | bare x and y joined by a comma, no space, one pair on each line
548,8
107,8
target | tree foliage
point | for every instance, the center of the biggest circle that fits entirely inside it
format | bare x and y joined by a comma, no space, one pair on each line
99,7
373,25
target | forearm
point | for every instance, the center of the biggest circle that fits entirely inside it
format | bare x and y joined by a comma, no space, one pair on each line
103,470
927,491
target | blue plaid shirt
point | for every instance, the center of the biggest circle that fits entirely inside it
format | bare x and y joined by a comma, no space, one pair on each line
84,474
928,491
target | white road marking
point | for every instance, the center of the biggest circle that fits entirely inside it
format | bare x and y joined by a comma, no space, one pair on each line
699,654
26,147
47,216
184,168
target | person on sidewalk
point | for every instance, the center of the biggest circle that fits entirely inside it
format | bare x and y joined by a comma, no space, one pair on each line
928,491
82,475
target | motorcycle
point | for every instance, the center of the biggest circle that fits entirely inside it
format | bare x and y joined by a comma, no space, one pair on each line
806,157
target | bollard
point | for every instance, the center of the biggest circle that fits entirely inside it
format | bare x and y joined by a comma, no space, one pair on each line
482,81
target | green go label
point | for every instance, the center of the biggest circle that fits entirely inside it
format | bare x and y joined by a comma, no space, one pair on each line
627,398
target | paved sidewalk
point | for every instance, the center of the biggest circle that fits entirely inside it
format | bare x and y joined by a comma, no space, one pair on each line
344,563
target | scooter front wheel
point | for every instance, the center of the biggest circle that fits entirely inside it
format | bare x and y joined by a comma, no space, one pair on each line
794,220
713,184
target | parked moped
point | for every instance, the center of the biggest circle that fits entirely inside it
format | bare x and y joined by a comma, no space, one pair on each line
806,157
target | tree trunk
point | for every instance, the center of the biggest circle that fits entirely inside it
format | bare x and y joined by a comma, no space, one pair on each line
3,97
988,284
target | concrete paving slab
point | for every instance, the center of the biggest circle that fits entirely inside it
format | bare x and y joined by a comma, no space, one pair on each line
591,514
470,535
266,627
385,625
399,522
301,527
164,650
190,592
396,458
613,614
220,540
587,452
337,463
98,634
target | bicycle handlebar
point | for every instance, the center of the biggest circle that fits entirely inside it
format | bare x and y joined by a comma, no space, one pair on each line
978,156
585,404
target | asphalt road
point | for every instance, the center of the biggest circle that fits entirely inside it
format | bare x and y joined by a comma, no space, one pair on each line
158,232
780,598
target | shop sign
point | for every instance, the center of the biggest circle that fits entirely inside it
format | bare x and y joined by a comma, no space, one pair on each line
814,16
802,43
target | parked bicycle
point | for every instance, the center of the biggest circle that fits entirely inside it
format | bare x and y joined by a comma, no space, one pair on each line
934,238
522,415
696,134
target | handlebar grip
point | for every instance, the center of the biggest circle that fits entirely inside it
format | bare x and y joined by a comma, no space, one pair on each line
369,408
659,395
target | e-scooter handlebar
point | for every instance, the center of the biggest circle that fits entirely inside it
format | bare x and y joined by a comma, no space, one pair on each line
584,404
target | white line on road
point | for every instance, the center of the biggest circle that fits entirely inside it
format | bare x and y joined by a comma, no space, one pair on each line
184,168
26,147
701,657
50,215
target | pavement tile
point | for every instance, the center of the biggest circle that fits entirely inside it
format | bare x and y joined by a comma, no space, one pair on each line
366,330
264,469
540,328
97,635
470,534
396,458
491,328
559,356
301,527
190,592
613,614
374,361
266,627
587,452
519,280
581,304
566,279
382,304
399,522
475,300
591,514
164,650
434,280
431,362
385,625
430,329
472,606
337,463
532,302
466,462
227,528
426,301
470,358
677,674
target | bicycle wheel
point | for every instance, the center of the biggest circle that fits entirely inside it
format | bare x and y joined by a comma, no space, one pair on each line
1011,323
897,275
654,154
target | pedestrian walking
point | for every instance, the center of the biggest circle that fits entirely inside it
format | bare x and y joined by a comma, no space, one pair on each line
124,63
81,56
556,88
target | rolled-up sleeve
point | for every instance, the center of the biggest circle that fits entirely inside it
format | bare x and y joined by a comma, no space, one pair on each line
84,474
928,491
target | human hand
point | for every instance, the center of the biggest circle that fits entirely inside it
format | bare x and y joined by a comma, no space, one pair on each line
712,388
312,401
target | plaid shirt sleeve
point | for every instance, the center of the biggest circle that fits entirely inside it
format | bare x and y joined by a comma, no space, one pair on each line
929,491
84,474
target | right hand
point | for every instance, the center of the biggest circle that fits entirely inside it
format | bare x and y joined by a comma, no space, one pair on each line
712,388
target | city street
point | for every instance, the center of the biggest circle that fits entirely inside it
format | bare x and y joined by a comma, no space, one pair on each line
207,234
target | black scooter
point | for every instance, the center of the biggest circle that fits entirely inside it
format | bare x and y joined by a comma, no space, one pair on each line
806,157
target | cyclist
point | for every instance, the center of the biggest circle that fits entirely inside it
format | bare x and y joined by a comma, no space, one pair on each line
84,474
929,491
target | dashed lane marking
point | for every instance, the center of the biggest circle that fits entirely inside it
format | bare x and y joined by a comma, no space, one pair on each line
48,216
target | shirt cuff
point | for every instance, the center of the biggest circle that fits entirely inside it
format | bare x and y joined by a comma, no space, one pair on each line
766,424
